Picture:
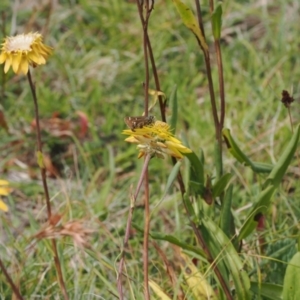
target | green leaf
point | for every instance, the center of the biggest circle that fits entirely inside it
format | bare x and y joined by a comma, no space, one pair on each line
221,184
268,290
291,286
189,207
172,177
264,200
241,157
226,218
216,20
261,207
174,109
196,180
281,166
191,22
220,244
173,240
218,160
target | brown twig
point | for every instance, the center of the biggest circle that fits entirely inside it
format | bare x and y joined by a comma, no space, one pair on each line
45,186
128,226
221,78
146,237
209,78
144,22
10,281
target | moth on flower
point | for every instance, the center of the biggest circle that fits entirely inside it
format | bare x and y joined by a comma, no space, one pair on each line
156,139
22,51
139,121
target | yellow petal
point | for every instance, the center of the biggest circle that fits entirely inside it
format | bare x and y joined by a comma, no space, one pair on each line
3,206
24,66
16,62
35,57
2,58
3,182
7,64
4,187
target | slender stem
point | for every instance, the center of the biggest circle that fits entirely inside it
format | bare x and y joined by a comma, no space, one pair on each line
128,226
44,180
218,131
209,76
39,143
221,82
146,237
145,28
162,105
154,69
10,281
291,120
144,22
221,89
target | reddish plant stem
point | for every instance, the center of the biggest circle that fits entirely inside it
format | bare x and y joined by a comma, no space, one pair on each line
10,281
220,72
45,186
146,237
128,226
144,22
209,77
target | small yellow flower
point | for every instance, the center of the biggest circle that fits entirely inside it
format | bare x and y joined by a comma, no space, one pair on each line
156,140
4,191
23,50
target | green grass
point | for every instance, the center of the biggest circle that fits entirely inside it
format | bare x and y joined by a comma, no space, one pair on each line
98,68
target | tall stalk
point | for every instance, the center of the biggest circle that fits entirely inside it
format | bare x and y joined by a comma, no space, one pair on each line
45,185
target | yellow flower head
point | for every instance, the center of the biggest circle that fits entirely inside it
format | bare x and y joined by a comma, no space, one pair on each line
156,140
23,50
4,191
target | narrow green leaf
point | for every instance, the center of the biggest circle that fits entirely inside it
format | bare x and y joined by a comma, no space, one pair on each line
189,207
220,244
226,219
216,20
268,290
196,180
218,159
216,252
234,149
172,177
259,167
174,109
281,166
191,22
261,207
264,200
173,240
220,185
241,157
291,286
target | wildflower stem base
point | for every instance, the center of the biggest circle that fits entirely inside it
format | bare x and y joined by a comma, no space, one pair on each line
46,191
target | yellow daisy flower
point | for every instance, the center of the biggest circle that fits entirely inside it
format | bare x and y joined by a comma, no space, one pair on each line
4,191
23,50
156,140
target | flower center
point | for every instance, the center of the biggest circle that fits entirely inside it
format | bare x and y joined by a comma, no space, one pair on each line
20,43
